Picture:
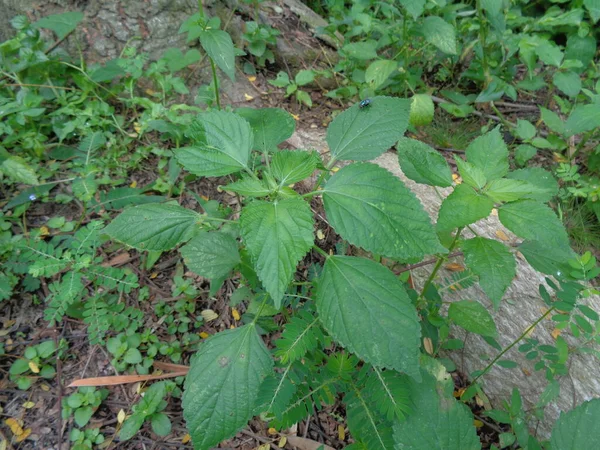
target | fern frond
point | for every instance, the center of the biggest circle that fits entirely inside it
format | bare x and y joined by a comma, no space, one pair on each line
302,334
389,393
85,240
275,394
62,295
365,423
112,278
46,260
458,281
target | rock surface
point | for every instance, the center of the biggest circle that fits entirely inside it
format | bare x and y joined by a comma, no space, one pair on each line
520,308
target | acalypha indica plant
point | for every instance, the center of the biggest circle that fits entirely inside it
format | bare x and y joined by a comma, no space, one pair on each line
353,328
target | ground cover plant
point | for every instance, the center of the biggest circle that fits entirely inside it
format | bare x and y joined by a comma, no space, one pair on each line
310,254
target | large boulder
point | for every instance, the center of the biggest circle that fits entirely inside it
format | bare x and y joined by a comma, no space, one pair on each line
521,306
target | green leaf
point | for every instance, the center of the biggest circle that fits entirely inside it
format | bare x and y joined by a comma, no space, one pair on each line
219,47
289,166
304,77
545,185
132,356
552,120
248,187
270,126
303,97
222,385
161,424
489,153
365,133
131,426
524,153
371,208
578,428
470,174
154,226
61,24
493,263
581,49
549,53
388,391
421,110
525,130
437,422
83,415
211,255
277,235
569,83
593,7
439,33
302,334
15,168
551,260
379,71
473,317
365,308
363,50
507,190
583,118
414,7
462,207
225,148
535,221
366,423
423,164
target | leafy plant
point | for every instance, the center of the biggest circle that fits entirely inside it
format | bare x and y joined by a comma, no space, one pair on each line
35,363
82,404
150,408
350,295
302,78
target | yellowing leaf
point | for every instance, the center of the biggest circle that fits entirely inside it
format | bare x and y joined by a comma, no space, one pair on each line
478,423
24,435
252,78
204,334
494,212
28,405
455,267
264,447
186,439
502,236
555,333
44,231
272,431
456,178
137,127
296,117
153,275
282,442
248,97
320,235
121,416
45,387
235,314
428,344
557,157
133,184
208,315
15,426
335,169
341,433
34,367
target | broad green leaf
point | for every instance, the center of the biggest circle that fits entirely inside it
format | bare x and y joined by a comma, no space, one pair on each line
493,263
371,208
107,72
62,24
581,49
366,424
507,190
365,308
470,174
593,7
290,166
463,207
211,255
583,118
421,110
131,426
248,187
90,144
551,260
439,33
270,126
524,153
219,47
161,424
304,77
549,52
277,235
365,133
489,153
154,226
177,61
423,164
473,317
17,169
525,130
545,186
223,147
379,71
552,120
578,428
535,221
363,50
414,7
438,422
222,385
568,83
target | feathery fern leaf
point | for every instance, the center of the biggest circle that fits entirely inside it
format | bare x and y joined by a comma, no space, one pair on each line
275,394
62,295
302,334
365,423
389,393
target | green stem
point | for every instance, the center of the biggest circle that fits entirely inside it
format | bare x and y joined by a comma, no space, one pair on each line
215,82
515,342
482,39
439,263
322,252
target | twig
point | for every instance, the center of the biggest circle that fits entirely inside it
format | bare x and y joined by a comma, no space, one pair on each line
260,439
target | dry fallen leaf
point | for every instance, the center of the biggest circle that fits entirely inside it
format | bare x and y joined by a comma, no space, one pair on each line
272,431
251,78
306,444
282,442
341,433
24,435
235,314
121,416
208,315
15,425
555,333
502,235
320,235
28,405
186,439
248,97
478,423
204,334
454,267
428,344
34,367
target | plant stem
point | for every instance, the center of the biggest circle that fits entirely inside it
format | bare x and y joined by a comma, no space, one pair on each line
322,252
482,39
515,342
215,82
439,263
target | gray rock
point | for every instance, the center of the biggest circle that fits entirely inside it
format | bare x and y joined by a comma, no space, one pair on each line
520,308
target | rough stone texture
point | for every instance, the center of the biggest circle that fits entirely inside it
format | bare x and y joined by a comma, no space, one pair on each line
521,306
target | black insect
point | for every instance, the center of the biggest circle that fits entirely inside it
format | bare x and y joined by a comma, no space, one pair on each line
363,104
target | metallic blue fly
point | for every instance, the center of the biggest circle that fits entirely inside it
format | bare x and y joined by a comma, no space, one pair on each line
364,103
